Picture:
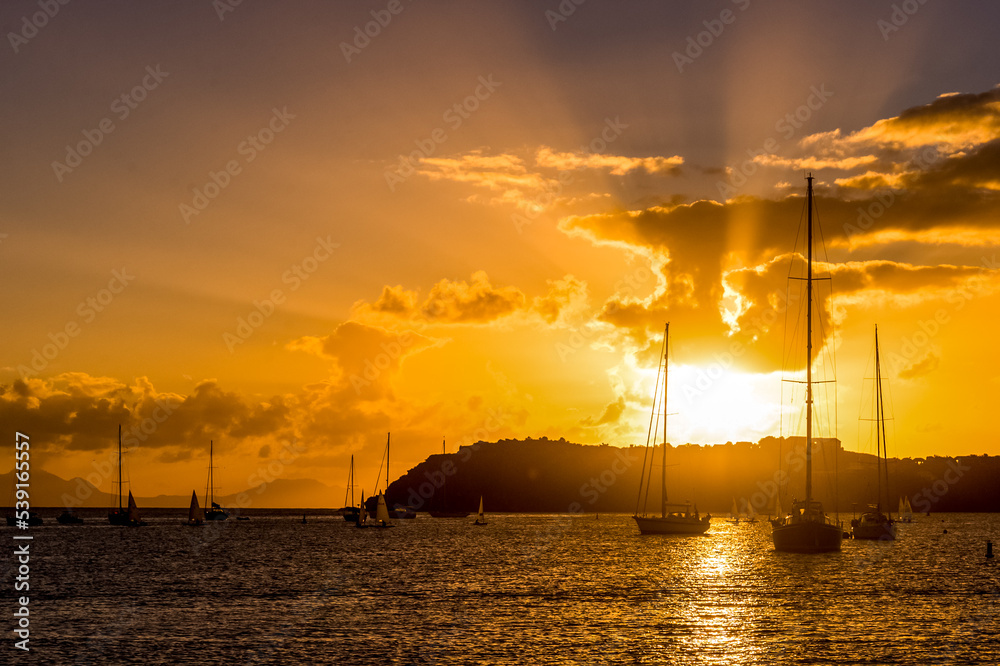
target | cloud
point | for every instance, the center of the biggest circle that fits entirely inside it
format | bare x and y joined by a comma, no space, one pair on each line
924,366
617,165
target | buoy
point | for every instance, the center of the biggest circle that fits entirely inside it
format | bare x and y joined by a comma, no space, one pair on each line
989,549
946,530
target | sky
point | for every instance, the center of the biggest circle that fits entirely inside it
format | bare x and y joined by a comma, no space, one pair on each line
293,228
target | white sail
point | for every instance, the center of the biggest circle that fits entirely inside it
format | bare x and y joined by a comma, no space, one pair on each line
751,514
382,512
736,510
195,514
480,517
133,509
777,507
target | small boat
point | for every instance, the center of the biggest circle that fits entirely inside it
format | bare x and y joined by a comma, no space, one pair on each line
480,517
399,511
778,517
382,513
807,529
67,517
122,516
735,520
349,511
673,518
751,514
873,524
905,510
214,511
196,515
362,514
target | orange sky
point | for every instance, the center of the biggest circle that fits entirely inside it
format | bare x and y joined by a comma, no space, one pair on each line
260,228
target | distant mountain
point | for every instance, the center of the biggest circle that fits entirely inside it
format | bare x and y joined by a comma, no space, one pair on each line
49,490
559,476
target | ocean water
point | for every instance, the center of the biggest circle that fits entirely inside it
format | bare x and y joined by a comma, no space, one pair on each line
525,589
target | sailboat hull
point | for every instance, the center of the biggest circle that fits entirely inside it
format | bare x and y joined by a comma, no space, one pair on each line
672,525
875,528
807,537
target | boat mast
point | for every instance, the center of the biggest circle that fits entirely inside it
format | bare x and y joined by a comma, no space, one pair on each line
119,468
663,477
210,491
809,392
387,435
880,424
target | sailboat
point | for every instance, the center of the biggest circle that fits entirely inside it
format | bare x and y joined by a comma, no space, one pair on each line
905,510
735,520
213,511
362,520
196,515
751,514
673,518
124,515
873,524
350,512
400,511
807,529
480,517
382,513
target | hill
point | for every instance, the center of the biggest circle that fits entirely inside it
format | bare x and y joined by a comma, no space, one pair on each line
559,476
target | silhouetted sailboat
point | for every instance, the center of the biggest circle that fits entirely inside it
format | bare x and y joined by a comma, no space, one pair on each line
362,520
124,515
673,518
807,529
480,517
905,510
382,513
873,524
196,515
213,511
350,512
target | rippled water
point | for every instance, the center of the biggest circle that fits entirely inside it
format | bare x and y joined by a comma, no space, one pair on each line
524,589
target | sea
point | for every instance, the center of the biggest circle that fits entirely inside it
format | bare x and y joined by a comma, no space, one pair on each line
524,589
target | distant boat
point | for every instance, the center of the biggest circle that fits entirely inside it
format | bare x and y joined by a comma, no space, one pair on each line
778,517
751,514
67,517
382,513
124,515
400,511
213,510
362,520
905,510
873,524
349,511
735,513
196,515
807,529
480,517
673,518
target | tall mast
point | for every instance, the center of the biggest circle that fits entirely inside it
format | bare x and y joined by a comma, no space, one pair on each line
880,425
210,491
387,435
809,344
119,468
663,478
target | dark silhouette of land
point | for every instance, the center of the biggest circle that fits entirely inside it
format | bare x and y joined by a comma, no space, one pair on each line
559,476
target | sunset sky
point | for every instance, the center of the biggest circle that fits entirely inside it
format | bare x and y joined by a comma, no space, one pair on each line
257,224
